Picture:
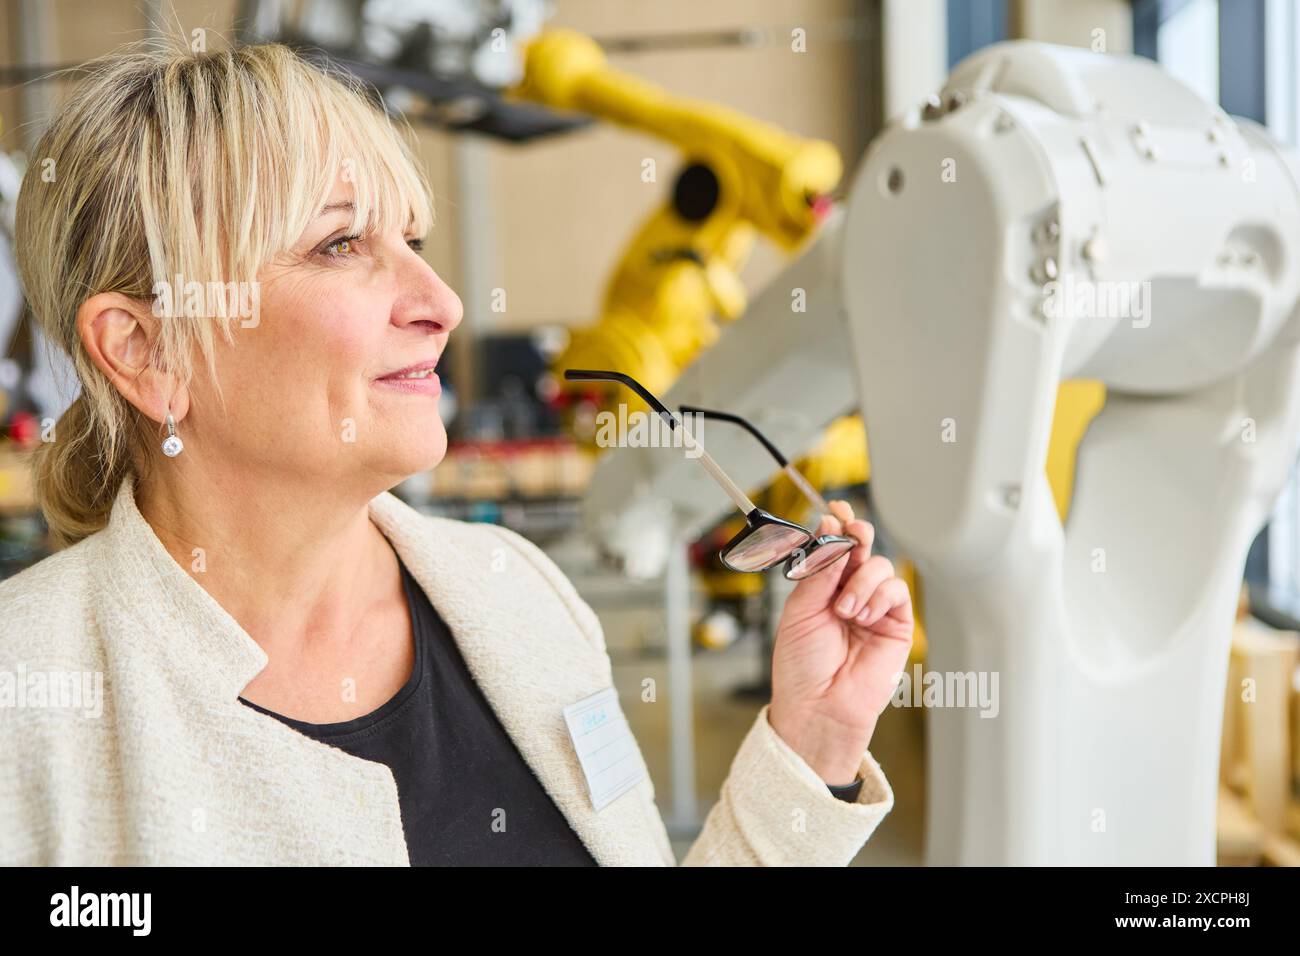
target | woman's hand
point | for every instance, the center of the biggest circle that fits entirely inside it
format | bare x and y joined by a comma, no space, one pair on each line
834,671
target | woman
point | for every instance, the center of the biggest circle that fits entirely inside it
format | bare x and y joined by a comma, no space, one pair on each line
283,663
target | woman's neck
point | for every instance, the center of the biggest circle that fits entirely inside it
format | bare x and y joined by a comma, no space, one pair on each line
285,562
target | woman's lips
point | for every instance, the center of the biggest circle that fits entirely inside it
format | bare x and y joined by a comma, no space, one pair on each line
429,385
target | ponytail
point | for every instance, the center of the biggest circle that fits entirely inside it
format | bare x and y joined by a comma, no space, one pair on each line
77,474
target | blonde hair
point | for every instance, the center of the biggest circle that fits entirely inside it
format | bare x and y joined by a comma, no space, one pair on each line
166,162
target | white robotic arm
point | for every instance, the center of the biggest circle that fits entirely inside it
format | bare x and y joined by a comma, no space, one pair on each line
1053,214
1060,214
1111,225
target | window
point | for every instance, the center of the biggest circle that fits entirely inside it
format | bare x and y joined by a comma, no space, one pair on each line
1242,53
1187,45
973,24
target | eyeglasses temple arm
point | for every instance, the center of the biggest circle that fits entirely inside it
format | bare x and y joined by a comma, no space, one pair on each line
733,490
743,423
721,477
813,495
790,470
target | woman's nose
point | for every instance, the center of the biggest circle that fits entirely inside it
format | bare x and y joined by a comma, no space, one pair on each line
433,301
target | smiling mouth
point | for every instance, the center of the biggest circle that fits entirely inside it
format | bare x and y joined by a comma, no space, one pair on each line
420,370
421,379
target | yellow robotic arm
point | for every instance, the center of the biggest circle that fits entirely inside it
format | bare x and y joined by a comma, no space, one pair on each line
769,177
680,274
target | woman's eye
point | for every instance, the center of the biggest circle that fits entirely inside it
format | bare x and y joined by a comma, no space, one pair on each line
416,244
344,244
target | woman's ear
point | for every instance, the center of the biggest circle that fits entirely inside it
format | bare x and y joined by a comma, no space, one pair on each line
119,334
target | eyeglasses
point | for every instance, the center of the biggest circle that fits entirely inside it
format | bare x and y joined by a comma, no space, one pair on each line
766,540
824,550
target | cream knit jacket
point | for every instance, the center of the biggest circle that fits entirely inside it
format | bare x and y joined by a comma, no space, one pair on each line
174,770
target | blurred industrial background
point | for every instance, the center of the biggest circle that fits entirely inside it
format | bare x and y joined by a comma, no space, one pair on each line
585,231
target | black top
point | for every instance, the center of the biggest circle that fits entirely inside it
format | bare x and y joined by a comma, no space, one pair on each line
467,796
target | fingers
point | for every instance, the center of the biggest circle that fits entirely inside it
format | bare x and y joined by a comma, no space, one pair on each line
841,521
863,532
859,587
869,589
842,510
891,595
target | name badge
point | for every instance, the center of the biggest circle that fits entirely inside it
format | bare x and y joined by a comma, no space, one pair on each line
605,747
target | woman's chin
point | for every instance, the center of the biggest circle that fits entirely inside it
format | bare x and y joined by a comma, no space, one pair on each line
416,456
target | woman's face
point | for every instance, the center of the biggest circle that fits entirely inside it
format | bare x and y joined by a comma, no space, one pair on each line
305,385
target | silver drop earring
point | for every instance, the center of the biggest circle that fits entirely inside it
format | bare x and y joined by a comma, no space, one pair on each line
172,445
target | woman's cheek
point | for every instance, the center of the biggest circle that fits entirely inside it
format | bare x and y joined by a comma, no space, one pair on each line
334,345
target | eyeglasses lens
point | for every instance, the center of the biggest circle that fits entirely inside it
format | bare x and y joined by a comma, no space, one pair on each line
817,558
768,545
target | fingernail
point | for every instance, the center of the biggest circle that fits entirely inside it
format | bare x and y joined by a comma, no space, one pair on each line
846,604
